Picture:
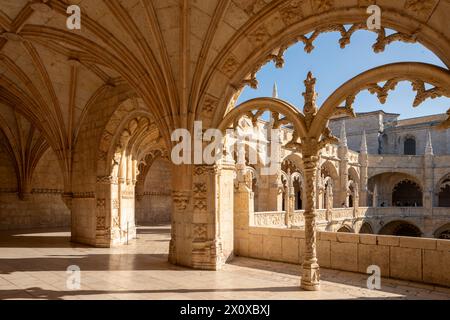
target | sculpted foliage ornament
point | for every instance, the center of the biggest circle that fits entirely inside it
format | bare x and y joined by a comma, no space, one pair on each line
421,7
292,11
310,95
423,94
382,92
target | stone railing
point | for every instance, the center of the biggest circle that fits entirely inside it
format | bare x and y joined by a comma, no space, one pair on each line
412,259
405,211
269,218
342,213
441,211
277,218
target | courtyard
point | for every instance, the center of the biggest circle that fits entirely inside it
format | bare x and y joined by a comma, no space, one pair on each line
33,265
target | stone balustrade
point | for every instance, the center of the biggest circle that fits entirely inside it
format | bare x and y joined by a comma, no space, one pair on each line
276,218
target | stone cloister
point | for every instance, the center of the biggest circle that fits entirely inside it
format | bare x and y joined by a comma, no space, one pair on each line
86,115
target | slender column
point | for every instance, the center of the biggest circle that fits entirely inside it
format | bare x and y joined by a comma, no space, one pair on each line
343,167
290,201
310,268
364,162
428,175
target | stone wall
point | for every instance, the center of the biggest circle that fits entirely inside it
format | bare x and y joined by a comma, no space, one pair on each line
386,131
44,207
413,259
154,202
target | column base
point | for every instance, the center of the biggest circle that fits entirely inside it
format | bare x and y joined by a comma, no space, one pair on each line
310,277
207,255
172,252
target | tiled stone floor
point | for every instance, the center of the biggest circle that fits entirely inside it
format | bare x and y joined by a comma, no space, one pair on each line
33,266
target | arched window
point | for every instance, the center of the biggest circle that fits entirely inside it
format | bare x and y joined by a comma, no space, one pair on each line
444,193
407,194
410,146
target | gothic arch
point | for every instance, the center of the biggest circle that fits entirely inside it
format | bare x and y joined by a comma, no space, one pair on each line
443,232
239,64
393,74
331,170
407,193
366,228
353,174
401,228
295,159
346,228
443,191
266,104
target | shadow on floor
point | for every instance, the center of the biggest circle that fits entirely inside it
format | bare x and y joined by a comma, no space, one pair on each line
90,262
38,238
39,293
153,230
60,237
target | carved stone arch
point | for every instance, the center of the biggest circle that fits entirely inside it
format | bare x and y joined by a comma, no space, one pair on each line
239,66
125,120
407,193
328,179
443,232
353,174
400,228
345,228
442,191
366,228
328,167
295,160
408,175
290,113
445,180
415,72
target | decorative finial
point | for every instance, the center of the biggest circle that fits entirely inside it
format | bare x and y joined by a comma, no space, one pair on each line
310,95
275,91
363,148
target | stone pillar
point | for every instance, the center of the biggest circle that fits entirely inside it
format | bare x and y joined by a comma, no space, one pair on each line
329,201
25,189
223,200
428,176
310,267
364,162
107,211
205,228
202,221
355,200
290,201
180,246
243,213
375,196
343,167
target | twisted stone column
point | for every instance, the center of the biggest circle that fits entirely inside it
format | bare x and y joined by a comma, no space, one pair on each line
310,267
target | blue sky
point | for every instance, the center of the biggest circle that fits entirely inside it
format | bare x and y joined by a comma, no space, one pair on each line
333,66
